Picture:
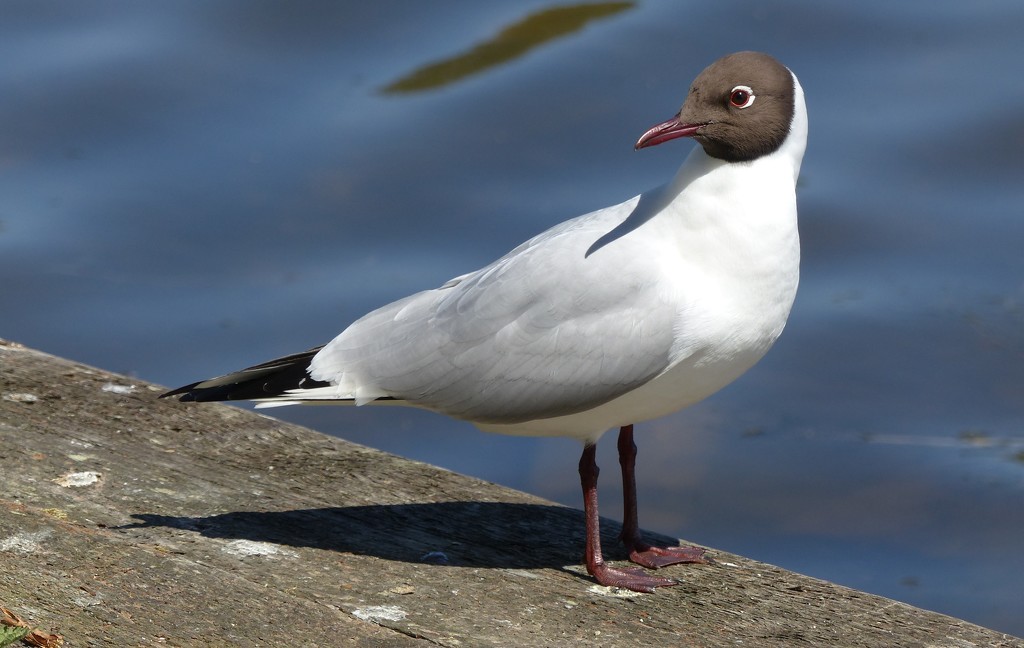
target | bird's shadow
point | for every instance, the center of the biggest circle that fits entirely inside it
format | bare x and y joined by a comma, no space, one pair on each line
471,534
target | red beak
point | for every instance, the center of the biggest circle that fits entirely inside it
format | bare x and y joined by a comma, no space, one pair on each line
666,131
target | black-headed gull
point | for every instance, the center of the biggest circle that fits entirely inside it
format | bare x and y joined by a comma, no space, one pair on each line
618,316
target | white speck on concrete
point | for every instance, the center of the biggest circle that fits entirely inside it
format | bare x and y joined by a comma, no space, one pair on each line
25,543
20,397
245,548
79,479
613,592
117,389
377,613
85,601
522,573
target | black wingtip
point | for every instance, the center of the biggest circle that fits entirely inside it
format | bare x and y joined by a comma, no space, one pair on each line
266,380
184,393
195,394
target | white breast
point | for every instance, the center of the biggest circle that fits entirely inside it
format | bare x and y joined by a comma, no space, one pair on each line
733,278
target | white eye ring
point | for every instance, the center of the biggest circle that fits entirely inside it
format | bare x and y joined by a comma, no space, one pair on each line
741,97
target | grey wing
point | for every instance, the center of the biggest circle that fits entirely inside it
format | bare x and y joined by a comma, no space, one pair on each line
545,331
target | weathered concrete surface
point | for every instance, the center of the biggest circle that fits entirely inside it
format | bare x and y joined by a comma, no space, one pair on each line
127,521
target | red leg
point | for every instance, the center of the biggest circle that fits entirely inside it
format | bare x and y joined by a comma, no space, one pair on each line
629,578
640,552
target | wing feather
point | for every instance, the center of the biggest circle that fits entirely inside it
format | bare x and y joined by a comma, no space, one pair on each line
544,331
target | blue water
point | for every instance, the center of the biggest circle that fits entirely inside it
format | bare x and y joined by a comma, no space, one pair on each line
187,188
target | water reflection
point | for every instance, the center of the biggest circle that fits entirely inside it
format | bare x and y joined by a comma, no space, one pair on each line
510,43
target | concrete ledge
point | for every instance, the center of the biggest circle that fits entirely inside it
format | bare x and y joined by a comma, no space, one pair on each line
128,521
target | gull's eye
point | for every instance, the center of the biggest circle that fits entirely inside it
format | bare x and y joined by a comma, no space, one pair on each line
741,97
